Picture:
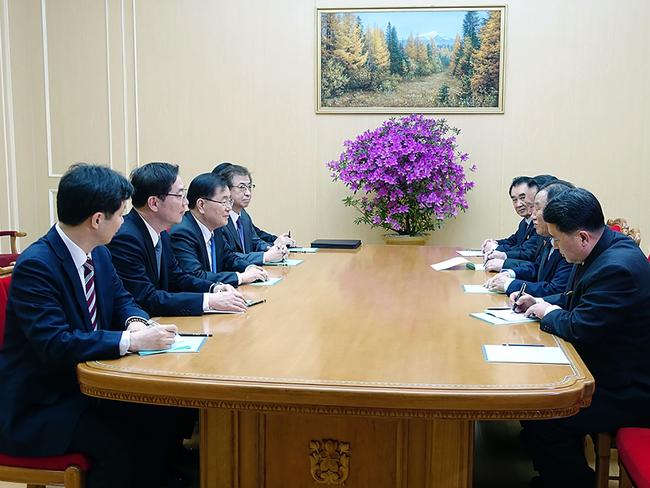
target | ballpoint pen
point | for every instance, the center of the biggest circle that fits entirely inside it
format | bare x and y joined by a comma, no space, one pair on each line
518,296
524,345
194,334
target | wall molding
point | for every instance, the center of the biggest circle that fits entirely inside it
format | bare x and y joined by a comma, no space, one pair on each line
135,86
124,88
51,200
108,88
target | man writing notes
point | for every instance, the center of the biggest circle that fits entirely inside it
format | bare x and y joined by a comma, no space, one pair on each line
67,305
607,319
143,256
239,234
549,273
194,241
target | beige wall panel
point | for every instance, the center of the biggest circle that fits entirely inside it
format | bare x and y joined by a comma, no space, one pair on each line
5,185
224,81
75,41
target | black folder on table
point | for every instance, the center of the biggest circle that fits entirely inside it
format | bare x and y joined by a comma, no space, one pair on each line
336,243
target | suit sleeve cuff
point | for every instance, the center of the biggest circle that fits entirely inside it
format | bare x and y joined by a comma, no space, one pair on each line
125,343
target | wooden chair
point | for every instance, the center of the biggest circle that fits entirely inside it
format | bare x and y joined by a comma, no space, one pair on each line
620,225
66,470
7,261
634,457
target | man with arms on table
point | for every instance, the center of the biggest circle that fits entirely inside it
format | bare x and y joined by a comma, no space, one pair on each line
239,233
607,319
198,248
143,256
67,305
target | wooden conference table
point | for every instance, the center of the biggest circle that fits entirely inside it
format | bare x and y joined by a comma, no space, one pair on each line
362,368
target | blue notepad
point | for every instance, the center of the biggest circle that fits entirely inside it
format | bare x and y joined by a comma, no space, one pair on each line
182,344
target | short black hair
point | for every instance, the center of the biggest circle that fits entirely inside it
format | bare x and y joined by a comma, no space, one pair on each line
204,186
519,180
554,188
228,171
86,189
575,209
152,179
541,180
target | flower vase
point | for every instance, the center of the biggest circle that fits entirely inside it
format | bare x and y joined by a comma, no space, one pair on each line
401,240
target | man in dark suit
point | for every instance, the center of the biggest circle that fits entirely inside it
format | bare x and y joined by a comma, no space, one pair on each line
143,256
239,233
549,273
607,320
67,305
198,248
524,244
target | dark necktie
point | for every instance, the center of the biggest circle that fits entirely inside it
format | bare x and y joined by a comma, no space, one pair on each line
91,299
543,259
240,231
158,249
213,254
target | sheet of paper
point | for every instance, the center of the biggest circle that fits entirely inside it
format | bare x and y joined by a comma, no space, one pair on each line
286,262
510,316
525,353
477,289
182,344
490,319
220,311
471,253
269,282
449,263
475,266
303,249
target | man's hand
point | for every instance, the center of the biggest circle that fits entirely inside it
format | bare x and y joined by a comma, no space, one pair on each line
524,303
160,336
231,301
489,245
497,283
496,255
275,254
537,310
285,240
253,273
223,287
494,265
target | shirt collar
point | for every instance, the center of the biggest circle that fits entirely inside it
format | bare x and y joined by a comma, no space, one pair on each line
79,257
234,216
207,235
152,233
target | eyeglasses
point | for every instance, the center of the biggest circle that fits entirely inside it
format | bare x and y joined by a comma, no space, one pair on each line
226,203
181,193
243,187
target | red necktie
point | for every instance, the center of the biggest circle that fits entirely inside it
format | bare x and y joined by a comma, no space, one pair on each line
91,301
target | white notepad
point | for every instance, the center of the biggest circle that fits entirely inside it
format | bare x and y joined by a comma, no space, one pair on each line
524,353
471,253
477,289
182,344
269,282
303,249
449,263
286,262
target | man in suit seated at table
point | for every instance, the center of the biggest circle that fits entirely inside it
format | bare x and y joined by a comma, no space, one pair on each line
524,243
549,273
66,306
607,319
143,256
198,248
239,233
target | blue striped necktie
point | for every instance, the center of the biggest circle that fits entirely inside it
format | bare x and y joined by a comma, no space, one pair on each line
89,291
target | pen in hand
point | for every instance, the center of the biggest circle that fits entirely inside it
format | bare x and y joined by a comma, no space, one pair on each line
518,296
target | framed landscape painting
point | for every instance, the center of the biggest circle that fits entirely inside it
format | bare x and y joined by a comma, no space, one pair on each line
404,60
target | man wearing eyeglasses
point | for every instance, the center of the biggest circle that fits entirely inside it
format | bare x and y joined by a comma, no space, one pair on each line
198,248
240,234
143,256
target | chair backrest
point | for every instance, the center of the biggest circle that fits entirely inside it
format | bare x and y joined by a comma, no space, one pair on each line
620,225
4,296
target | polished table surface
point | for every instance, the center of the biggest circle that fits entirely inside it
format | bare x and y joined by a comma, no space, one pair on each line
374,333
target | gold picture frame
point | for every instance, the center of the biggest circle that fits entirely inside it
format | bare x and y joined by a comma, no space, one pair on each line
377,60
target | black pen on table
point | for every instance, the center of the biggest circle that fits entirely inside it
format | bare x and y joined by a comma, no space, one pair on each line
522,345
194,334
518,296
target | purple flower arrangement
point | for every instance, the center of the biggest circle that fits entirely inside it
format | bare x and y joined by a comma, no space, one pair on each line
410,173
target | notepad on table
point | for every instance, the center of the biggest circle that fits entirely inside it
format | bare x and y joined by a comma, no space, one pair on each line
269,282
477,289
471,253
182,344
495,318
303,249
524,353
475,266
286,262
449,263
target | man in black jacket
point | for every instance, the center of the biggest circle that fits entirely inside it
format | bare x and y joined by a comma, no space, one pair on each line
199,249
607,319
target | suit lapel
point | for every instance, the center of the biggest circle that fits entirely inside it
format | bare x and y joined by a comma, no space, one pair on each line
232,230
61,251
146,241
196,232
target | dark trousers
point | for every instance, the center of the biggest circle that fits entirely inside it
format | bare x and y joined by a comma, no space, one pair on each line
128,444
557,446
